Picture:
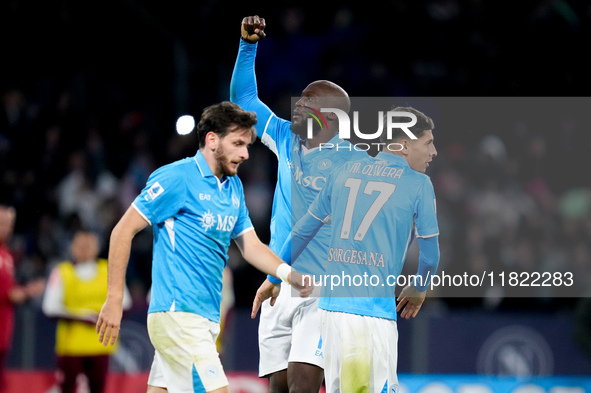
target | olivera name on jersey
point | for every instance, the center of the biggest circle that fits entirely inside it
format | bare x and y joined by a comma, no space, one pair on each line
379,168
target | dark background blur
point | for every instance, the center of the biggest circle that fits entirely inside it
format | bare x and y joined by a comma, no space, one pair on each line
92,90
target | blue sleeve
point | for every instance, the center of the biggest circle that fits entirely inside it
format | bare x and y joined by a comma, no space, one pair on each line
321,206
425,216
428,262
163,196
244,92
303,231
243,222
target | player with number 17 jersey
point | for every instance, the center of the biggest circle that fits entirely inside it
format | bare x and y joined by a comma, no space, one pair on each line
373,205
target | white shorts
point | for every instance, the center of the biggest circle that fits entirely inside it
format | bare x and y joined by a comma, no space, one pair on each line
361,353
289,331
186,359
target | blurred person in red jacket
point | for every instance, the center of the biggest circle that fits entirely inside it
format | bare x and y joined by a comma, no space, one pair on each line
11,294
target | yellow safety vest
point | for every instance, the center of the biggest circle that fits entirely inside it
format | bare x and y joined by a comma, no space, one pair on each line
77,338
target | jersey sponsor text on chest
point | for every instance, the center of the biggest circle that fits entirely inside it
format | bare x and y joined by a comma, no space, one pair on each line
225,223
316,182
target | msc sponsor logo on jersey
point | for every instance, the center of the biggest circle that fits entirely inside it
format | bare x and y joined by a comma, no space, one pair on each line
316,182
209,220
226,224
155,190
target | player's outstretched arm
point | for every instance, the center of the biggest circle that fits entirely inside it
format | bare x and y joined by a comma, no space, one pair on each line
109,320
243,85
260,256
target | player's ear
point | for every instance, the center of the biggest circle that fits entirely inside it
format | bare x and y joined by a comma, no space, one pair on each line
331,116
404,143
211,140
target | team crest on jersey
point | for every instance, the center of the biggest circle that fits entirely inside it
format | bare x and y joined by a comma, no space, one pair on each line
324,164
235,201
207,220
155,190
394,388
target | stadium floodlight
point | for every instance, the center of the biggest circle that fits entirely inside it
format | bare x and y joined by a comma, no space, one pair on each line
185,124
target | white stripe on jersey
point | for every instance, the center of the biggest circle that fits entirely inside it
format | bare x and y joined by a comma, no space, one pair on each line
141,214
267,140
169,224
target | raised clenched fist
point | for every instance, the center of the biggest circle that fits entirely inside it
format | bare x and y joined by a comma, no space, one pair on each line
253,29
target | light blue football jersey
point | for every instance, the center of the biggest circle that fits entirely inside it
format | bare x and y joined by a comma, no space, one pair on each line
194,217
301,172
373,206
310,170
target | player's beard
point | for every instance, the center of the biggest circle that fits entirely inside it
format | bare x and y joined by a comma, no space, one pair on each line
301,128
224,162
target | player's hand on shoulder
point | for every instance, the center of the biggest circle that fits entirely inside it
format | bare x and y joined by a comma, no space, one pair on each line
410,301
253,29
304,283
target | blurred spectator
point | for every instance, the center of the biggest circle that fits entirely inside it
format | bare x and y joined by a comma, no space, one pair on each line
84,191
10,293
139,167
75,294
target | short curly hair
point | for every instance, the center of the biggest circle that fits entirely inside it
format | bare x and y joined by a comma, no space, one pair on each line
220,118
